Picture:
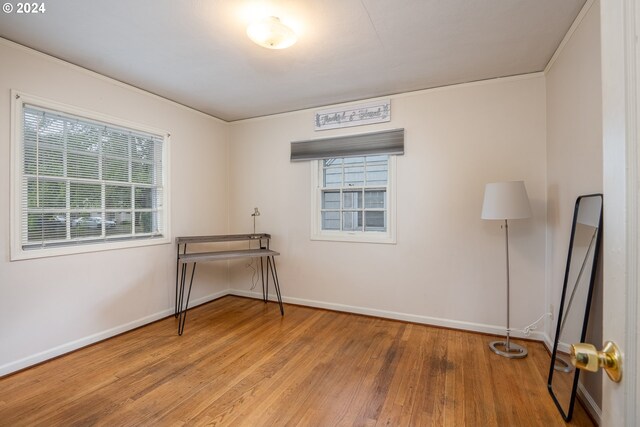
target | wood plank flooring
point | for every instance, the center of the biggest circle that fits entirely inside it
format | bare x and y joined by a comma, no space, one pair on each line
239,363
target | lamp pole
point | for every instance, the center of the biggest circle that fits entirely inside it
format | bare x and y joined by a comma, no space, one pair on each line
506,240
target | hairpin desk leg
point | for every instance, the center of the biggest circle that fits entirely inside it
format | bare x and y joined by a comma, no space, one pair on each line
180,287
264,294
183,312
276,283
180,299
266,287
175,311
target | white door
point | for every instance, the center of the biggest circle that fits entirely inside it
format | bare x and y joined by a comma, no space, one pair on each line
619,20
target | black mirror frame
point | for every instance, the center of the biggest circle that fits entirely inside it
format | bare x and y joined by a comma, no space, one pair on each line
574,388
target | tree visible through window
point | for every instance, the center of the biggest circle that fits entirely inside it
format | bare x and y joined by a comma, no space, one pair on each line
86,182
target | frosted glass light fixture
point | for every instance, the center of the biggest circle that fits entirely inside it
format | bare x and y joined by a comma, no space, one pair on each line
271,33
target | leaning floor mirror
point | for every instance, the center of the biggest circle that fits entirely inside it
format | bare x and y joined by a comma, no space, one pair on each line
573,315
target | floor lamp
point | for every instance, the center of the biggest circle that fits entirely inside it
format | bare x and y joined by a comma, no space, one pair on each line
505,201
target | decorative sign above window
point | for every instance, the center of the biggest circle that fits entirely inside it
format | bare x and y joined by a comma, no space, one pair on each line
356,115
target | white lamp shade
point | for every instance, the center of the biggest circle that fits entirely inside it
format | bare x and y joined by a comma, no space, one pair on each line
506,200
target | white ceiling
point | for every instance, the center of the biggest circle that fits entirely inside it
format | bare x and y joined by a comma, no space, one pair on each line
196,52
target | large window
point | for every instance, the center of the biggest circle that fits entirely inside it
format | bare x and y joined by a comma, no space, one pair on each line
353,199
84,181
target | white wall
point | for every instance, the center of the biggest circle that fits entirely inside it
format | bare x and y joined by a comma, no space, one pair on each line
52,305
574,160
448,266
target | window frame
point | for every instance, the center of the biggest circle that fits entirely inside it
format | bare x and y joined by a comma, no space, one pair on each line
18,100
317,233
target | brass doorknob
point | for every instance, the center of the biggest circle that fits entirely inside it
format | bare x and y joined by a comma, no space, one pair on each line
585,356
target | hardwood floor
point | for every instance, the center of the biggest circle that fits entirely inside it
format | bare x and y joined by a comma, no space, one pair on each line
240,363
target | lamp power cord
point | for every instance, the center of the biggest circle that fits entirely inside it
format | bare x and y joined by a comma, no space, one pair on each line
532,327
254,274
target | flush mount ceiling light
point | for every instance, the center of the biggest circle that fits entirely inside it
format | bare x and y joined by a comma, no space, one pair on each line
271,33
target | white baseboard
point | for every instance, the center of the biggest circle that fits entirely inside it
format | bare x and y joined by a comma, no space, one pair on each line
92,339
415,318
427,320
547,341
590,404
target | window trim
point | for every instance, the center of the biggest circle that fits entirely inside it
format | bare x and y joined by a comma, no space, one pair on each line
18,99
388,237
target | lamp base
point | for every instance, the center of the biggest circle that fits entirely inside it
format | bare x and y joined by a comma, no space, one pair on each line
562,365
514,351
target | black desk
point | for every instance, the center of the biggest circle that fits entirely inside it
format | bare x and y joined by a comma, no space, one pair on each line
183,259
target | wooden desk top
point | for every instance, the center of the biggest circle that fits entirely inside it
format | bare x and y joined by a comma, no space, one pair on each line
221,238
226,255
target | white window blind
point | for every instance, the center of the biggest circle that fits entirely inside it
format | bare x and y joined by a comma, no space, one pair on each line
87,182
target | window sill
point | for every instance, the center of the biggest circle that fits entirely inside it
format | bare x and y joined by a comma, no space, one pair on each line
23,254
355,237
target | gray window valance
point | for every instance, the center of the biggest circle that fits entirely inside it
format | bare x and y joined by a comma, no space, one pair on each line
364,144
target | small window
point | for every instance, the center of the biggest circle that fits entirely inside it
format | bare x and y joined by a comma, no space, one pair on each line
84,182
353,199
